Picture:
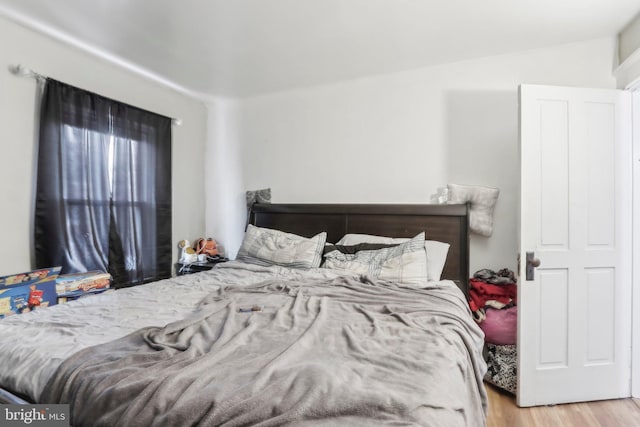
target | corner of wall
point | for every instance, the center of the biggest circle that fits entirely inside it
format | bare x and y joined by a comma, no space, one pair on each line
627,69
225,212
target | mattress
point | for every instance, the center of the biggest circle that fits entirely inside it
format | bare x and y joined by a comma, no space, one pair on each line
42,349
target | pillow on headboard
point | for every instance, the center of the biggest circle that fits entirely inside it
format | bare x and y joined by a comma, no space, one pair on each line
482,201
265,246
436,252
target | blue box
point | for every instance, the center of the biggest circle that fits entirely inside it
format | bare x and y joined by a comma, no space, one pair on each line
23,292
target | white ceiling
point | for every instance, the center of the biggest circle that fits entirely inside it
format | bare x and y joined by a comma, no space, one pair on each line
247,47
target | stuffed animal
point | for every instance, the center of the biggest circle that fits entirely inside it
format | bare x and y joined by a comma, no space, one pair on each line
207,247
188,255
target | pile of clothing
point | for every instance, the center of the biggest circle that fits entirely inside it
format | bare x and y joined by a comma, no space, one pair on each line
493,301
490,289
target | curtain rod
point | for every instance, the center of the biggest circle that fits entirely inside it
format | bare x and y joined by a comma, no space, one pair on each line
22,71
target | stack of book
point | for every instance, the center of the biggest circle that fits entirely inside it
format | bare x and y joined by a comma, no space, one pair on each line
77,285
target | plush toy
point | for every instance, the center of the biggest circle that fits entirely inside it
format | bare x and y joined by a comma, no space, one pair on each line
207,247
188,255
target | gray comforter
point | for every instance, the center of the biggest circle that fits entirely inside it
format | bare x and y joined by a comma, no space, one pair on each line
338,352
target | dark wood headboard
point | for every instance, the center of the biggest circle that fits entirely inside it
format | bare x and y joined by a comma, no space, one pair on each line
445,223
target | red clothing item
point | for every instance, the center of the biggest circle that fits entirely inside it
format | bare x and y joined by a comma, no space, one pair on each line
481,292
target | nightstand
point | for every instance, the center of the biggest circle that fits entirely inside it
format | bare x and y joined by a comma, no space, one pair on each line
196,267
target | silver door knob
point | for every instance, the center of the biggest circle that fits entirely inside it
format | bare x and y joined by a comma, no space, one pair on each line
532,262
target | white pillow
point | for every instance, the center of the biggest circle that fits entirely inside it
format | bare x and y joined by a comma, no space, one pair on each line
265,246
436,252
436,258
405,263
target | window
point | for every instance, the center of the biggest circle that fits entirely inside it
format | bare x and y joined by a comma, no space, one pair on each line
103,197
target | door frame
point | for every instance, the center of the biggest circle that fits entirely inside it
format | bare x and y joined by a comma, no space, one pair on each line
635,322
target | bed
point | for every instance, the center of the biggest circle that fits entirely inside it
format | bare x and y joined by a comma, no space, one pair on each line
256,343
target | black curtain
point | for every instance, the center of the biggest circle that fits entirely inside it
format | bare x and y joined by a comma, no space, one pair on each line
103,196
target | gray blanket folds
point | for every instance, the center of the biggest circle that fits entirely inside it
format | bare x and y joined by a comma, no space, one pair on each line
340,352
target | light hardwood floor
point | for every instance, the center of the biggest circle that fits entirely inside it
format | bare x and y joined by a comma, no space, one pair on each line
504,412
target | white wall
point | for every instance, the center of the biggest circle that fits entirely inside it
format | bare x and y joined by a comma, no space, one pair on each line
46,56
225,201
396,138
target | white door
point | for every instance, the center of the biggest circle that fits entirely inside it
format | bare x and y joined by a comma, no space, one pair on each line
574,314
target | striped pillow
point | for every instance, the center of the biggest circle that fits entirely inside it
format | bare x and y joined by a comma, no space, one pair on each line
264,246
404,263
